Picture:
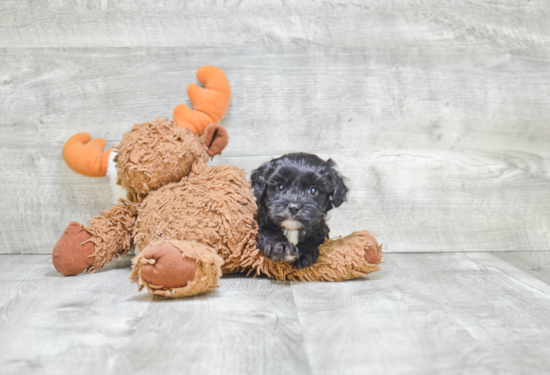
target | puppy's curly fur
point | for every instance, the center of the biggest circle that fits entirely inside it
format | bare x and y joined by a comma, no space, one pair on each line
294,194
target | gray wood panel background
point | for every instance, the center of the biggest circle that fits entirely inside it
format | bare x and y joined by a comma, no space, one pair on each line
438,112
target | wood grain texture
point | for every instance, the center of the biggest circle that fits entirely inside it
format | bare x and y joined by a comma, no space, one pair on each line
431,313
437,112
354,24
247,326
101,324
460,313
534,263
60,324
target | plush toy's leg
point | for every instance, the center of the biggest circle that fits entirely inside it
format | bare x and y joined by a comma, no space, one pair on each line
92,246
355,255
350,257
173,269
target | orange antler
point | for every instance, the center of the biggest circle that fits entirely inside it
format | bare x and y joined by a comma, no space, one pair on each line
210,103
86,157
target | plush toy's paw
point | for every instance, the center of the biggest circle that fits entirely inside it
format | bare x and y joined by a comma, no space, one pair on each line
281,250
173,269
169,269
73,253
373,252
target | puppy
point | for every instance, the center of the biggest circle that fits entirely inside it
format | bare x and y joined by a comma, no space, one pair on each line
294,194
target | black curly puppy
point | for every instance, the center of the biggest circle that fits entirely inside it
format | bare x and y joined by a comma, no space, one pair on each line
294,194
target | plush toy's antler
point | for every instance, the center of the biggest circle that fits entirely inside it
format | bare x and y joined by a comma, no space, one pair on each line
209,103
86,157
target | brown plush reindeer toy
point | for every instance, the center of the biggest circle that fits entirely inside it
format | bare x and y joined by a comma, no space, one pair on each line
188,223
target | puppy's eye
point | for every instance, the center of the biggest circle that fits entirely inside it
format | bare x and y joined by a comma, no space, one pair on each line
281,187
312,191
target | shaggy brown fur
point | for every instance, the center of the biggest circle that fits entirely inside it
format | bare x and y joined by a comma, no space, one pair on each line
214,207
111,233
153,154
339,259
207,214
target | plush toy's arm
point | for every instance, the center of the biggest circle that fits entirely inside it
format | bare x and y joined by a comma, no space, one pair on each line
112,232
90,247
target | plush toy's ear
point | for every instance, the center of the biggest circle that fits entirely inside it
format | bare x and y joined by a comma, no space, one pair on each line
258,181
215,138
340,189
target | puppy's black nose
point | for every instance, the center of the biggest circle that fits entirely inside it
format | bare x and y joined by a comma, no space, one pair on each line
294,208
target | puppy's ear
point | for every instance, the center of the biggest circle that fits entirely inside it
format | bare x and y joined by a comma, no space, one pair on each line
258,180
340,190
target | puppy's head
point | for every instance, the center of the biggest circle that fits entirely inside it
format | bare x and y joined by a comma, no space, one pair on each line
297,190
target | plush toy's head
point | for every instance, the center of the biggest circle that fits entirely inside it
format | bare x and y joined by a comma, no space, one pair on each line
155,153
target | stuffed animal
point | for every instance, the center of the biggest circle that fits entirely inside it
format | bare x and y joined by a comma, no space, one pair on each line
188,223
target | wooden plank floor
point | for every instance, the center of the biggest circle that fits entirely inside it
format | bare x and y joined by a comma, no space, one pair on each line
431,313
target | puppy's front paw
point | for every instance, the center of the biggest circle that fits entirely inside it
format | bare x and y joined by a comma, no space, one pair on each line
281,250
306,259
